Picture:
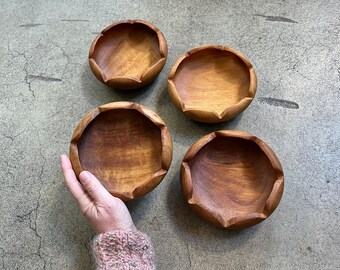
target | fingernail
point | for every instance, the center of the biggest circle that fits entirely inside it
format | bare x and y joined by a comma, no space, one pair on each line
85,176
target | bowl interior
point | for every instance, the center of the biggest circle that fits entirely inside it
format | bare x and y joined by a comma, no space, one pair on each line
212,79
127,50
122,147
232,177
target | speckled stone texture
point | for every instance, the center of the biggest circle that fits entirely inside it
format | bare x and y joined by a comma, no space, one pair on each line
124,250
46,87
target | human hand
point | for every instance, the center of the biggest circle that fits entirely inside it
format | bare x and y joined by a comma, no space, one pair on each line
105,212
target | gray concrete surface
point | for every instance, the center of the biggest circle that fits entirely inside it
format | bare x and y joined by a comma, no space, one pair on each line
46,87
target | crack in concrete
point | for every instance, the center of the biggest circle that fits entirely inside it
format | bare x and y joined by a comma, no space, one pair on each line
22,218
39,198
30,25
9,172
276,18
301,58
29,77
12,138
156,224
26,79
38,253
33,214
22,54
67,59
43,78
36,209
279,102
4,253
8,137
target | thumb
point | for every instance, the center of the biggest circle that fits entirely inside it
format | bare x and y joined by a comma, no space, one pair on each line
94,188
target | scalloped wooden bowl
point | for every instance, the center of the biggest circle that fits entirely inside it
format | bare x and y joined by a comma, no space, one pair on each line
212,83
232,179
128,54
126,145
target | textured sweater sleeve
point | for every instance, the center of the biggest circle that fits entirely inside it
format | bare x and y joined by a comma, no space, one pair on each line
124,250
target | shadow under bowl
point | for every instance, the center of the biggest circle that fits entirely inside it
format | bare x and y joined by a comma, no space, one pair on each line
128,54
232,179
125,145
212,83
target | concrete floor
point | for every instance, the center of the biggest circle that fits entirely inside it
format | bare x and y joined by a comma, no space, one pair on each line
46,87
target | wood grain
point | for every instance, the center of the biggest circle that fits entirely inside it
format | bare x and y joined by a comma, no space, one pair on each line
126,145
212,83
232,179
128,54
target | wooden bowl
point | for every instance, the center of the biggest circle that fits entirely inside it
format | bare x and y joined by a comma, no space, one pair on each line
232,179
128,54
212,83
126,145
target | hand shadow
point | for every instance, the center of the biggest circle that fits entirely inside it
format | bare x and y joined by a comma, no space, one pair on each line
72,228
139,208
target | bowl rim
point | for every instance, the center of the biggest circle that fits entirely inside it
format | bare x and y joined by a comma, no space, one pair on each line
272,201
166,141
118,79
228,112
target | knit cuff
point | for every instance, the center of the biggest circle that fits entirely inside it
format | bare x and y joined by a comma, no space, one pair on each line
123,249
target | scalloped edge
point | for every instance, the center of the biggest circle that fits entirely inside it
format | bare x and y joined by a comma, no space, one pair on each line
148,75
212,116
212,216
167,146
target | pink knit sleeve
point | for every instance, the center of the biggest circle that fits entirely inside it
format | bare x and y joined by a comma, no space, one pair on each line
124,250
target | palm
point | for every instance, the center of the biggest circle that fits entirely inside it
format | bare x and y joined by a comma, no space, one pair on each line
104,211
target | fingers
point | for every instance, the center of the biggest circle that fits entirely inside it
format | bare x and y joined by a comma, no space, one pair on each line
94,188
77,190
